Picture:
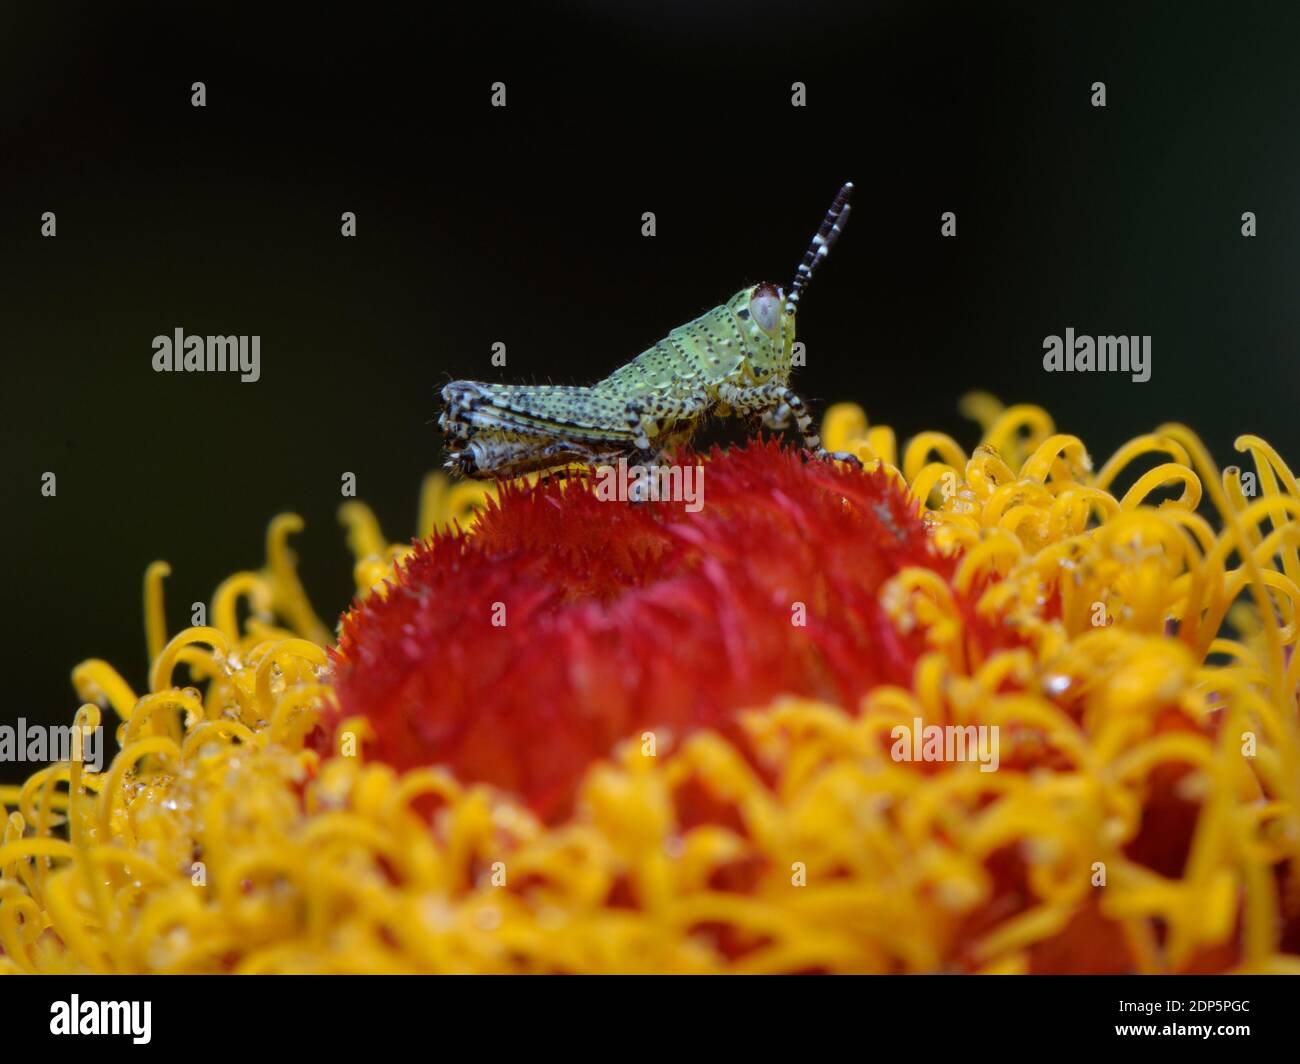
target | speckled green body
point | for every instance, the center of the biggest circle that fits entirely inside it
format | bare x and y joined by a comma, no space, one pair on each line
734,360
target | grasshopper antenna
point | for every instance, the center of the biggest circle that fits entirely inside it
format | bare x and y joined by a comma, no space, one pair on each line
831,228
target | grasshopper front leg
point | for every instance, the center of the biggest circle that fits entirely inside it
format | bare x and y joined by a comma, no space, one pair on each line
778,404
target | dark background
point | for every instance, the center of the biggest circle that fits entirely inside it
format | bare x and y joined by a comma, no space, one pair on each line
523,225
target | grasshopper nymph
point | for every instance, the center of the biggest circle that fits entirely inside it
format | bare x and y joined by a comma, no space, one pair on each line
733,360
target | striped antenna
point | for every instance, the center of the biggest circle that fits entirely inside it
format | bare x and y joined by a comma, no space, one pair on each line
832,226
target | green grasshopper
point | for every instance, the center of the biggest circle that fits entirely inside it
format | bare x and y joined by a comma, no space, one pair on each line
733,361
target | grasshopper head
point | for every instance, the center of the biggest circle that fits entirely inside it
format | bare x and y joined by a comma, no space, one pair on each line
767,323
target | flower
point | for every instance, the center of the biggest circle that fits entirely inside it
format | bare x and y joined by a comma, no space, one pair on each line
524,652
678,751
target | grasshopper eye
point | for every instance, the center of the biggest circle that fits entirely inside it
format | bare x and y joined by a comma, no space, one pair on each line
765,307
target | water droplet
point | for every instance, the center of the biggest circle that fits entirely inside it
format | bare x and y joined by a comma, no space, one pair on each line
1057,684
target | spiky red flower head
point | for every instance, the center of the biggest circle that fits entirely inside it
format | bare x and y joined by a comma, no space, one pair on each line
520,653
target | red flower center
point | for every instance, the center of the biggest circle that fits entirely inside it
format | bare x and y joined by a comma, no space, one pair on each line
519,654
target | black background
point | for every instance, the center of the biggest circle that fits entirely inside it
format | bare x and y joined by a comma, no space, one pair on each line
772,1017
523,225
